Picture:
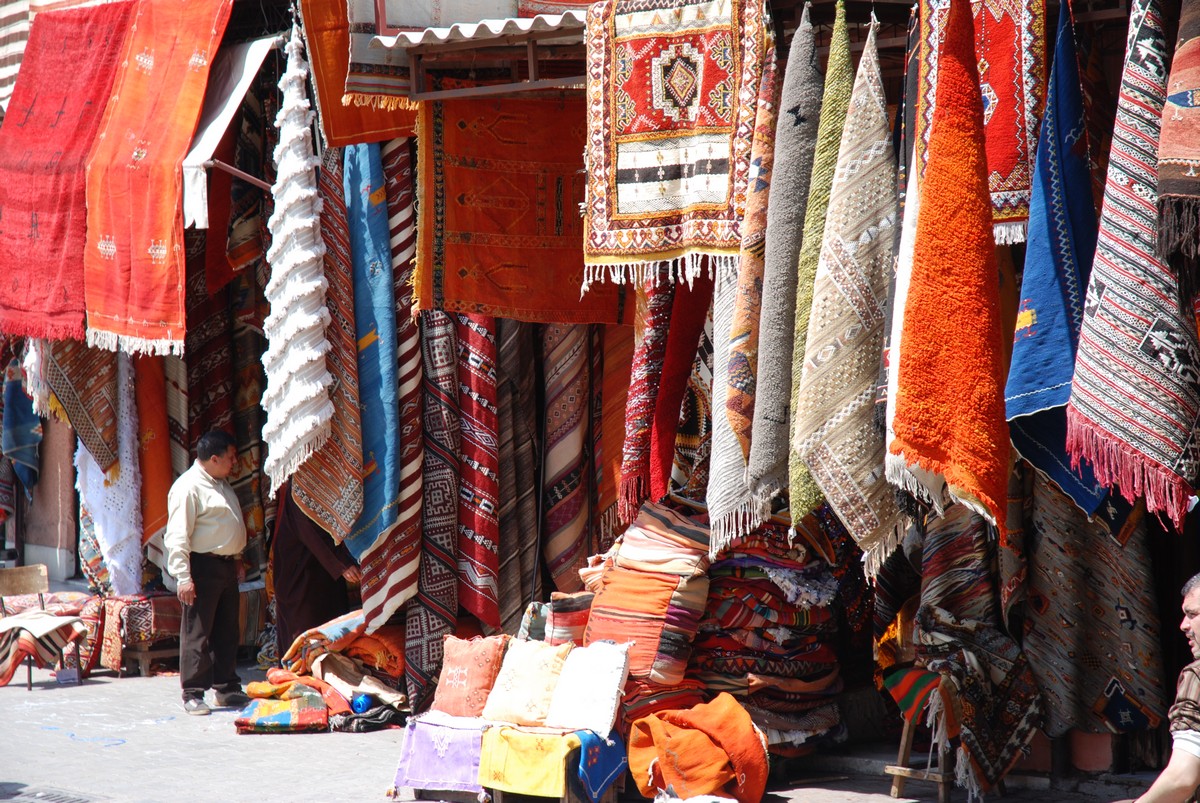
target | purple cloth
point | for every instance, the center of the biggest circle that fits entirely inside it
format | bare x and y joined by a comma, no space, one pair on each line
441,752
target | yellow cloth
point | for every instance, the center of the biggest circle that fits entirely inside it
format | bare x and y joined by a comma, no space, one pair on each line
526,761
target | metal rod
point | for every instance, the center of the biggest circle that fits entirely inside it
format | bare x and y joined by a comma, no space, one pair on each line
244,176
499,89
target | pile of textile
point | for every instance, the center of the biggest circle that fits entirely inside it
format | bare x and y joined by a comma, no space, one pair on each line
651,588
768,634
334,677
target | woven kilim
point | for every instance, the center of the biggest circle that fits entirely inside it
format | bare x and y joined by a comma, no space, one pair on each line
479,479
21,431
795,140
671,93
378,77
434,611
65,81
691,463
609,430
803,493
327,35
390,566
565,488
499,233
644,377
1010,43
835,432
175,371
998,706
1058,260
133,264
949,424
728,496
1137,425
1178,158
1091,630
84,381
246,304
328,486
517,412
39,635
209,345
375,327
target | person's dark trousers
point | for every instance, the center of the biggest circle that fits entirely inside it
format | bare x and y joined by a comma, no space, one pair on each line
208,638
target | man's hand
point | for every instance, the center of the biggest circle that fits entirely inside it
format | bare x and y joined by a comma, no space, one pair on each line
187,592
352,575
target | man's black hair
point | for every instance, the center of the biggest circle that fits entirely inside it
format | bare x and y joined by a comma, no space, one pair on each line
213,444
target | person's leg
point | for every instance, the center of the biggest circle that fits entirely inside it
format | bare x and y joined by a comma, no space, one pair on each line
226,633
195,653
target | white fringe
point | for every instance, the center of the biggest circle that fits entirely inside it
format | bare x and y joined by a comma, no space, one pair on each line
34,365
685,268
735,524
1009,233
874,557
899,474
111,341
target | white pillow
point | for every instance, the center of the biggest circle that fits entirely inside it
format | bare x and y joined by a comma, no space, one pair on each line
590,687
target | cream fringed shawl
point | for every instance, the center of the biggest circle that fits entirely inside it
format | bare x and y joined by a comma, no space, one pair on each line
835,432
296,401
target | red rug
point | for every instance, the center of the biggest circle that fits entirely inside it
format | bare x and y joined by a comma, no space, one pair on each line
53,116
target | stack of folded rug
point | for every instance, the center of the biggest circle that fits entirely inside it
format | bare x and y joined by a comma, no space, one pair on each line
768,634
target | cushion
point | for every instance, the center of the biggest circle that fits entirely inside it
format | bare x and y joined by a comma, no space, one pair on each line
664,540
526,682
589,688
659,612
469,668
567,616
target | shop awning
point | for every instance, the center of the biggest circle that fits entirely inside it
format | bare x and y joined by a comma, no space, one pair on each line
498,42
228,82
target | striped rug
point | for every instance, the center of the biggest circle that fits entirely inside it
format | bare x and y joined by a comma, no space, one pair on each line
390,565
434,611
479,470
14,32
565,489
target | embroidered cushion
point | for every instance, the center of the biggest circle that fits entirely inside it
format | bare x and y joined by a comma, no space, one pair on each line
589,688
469,669
526,682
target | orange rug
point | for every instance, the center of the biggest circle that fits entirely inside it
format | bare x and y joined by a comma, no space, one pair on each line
133,266
711,748
327,36
154,442
500,233
950,423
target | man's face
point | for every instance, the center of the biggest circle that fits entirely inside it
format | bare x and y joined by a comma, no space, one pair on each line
1191,621
221,466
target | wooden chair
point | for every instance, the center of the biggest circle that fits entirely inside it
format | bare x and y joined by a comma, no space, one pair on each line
33,579
943,775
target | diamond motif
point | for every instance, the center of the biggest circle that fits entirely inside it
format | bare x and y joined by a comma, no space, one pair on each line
676,75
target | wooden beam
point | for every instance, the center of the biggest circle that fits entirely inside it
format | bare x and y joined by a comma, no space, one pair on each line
500,89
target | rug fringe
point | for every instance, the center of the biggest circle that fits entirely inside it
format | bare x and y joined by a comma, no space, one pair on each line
111,341
684,268
1178,244
1009,233
1115,463
389,103
633,492
297,455
877,554
898,473
731,526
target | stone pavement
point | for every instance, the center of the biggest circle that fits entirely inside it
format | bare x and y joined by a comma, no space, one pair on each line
128,740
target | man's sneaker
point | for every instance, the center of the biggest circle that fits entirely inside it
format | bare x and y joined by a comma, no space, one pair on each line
196,707
233,699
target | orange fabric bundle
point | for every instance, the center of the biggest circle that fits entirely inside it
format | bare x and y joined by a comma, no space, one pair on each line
950,417
382,650
133,265
154,443
278,680
327,35
712,748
